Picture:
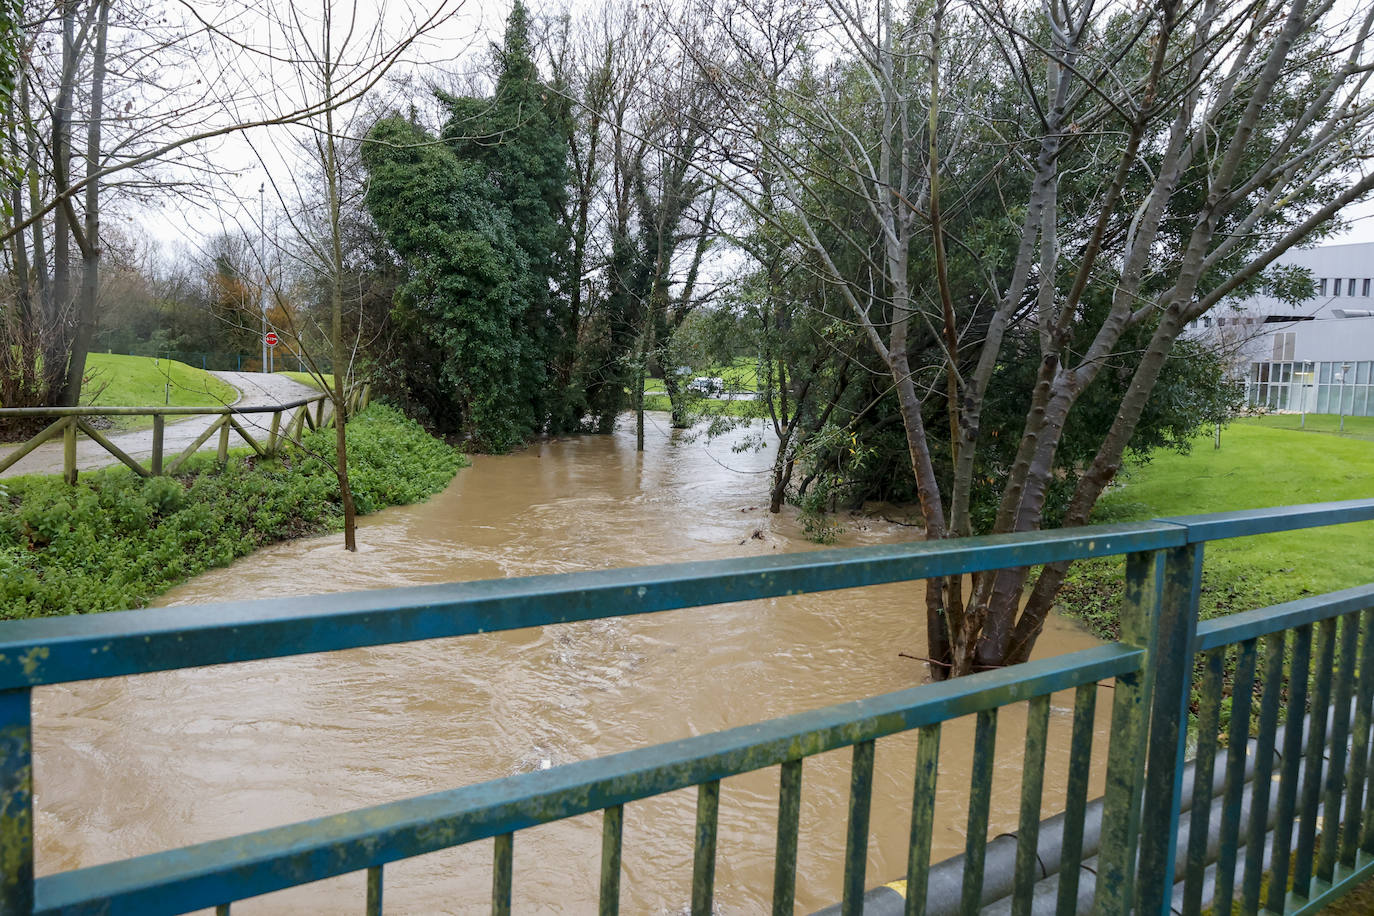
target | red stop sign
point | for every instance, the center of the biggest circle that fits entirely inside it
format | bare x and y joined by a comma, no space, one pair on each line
271,338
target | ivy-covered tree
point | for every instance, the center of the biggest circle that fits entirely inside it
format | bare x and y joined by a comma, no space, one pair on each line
519,140
462,308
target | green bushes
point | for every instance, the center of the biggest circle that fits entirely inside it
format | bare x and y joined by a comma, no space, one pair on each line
116,540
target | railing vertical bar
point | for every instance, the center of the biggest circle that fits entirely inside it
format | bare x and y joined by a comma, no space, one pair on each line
1032,788
1263,781
1340,732
1076,796
1204,770
979,805
16,801
1313,758
501,869
1171,661
1359,744
704,859
1115,893
1298,671
785,861
856,845
1233,795
374,891
922,819
612,832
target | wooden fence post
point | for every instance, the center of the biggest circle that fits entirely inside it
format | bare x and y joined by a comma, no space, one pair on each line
273,445
223,453
69,452
159,426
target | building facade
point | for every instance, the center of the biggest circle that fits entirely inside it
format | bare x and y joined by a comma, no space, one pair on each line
1316,357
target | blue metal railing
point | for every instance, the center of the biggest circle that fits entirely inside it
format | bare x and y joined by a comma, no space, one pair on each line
1152,667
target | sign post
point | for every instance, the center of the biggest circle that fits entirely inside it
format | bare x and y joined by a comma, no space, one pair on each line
270,342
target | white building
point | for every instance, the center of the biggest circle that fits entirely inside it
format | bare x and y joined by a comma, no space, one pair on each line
1314,356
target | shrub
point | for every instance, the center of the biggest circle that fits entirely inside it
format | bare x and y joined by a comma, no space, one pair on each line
116,540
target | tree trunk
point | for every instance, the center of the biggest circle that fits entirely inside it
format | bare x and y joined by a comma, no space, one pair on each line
90,253
336,267
677,398
61,147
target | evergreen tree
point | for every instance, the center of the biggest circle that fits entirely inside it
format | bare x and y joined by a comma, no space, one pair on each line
466,349
519,138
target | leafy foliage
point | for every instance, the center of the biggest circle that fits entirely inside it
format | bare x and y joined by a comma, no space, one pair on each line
466,358
477,222
116,540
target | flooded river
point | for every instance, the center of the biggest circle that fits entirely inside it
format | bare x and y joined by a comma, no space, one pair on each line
147,763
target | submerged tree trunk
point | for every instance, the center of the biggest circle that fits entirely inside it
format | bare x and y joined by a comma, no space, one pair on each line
677,398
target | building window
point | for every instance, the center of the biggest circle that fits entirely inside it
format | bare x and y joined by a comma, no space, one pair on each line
1365,291
1321,287
1350,290
1336,287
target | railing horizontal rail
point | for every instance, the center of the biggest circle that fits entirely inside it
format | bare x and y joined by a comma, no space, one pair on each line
1225,631
60,649
1220,525
55,650
94,411
1152,664
281,857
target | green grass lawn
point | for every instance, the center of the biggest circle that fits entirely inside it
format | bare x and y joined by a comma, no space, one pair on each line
1355,427
305,378
1260,464
707,407
113,380
740,375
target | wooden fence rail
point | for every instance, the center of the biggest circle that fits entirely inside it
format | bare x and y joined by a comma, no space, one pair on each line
68,421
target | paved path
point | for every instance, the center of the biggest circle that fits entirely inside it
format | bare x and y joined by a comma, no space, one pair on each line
255,390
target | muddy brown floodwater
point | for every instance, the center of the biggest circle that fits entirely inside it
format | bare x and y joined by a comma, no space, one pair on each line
141,764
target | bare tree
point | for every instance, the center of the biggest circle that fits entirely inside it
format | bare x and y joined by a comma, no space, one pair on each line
153,89
1197,148
328,52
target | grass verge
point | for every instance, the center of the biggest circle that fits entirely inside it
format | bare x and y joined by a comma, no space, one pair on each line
305,378
1258,465
116,540
113,380
707,407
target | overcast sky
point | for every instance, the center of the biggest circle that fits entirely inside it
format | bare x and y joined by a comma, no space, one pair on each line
454,50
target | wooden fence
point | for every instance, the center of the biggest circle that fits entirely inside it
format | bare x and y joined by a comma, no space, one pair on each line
68,421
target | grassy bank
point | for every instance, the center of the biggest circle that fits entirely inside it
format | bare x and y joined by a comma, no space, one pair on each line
113,380
117,540
1261,463
310,381
708,407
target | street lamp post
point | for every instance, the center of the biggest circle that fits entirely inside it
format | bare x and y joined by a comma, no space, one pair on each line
262,229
